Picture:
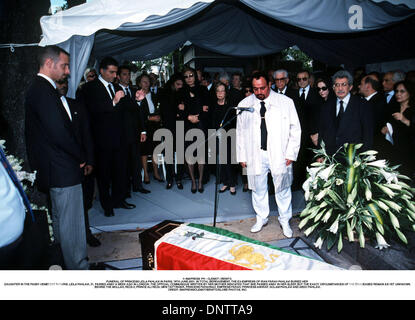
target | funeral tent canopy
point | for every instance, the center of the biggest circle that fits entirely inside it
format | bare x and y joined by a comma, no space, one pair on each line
355,32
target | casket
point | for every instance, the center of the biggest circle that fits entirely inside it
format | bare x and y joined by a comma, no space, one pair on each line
148,239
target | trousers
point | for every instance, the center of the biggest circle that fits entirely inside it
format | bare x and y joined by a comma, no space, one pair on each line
260,199
69,225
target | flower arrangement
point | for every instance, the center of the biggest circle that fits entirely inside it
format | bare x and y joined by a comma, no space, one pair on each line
27,180
354,195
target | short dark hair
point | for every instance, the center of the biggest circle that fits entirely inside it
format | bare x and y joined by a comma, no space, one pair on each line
373,82
49,52
123,67
141,76
106,62
304,71
260,74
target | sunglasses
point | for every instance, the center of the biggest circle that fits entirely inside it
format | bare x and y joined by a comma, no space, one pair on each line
322,88
281,79
302,79
248,90
190,75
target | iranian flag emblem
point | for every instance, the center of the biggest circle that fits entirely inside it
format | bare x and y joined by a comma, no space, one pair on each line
200,247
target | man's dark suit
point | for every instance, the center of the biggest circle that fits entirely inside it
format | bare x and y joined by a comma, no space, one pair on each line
109,140
356,125
56,154
134,125
82,128
52,147
380,116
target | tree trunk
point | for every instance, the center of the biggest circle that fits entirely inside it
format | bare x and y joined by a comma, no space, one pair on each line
19,23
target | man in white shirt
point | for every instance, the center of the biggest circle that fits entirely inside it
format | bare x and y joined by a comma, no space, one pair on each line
268,140
389,80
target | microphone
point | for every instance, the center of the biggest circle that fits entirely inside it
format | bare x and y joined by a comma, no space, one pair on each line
250,109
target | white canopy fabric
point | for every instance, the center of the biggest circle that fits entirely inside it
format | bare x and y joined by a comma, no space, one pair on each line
149,29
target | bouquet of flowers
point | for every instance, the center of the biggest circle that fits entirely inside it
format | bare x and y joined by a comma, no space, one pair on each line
354,195
27,179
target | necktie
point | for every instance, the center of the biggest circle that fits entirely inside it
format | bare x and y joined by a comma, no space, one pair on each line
280,92
303,95
127,92
16,181
340,114
111,91
263,127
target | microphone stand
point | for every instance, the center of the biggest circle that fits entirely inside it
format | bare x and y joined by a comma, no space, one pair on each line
215,211
222,125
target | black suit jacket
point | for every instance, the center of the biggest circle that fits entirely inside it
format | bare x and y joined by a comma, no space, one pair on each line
106,119
52,147
308,112
356,125
82,128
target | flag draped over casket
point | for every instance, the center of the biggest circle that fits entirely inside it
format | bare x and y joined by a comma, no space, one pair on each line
199,247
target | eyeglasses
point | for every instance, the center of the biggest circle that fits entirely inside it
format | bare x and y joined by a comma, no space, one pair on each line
302,79
322,88
280,79
190,75
343,84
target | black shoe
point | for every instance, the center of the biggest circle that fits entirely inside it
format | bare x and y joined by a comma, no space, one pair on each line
223,190
142,190
201,190
193,190
179,186
92,241
232,192
169,186
128,195
109,213
125,205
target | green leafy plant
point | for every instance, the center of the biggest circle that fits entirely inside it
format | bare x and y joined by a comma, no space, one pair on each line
355,196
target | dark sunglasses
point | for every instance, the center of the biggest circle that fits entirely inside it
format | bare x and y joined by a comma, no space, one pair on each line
322,88
248,90
302,79
189,76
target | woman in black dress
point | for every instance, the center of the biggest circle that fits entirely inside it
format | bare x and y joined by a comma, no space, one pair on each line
400,119
220,109
196,102
172,111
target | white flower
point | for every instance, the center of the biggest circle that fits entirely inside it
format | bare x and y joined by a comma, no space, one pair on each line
390,177
325,174
339,182
318,243
377,163
334,227
382,244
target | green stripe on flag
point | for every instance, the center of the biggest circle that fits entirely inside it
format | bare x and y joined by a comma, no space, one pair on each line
240,237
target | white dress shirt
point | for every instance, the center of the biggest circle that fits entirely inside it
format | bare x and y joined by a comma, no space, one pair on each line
106,83
63,99
307,89
345,103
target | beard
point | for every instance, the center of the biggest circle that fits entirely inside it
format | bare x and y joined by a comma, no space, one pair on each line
260,96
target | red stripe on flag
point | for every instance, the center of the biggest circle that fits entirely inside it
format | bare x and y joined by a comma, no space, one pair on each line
171,257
